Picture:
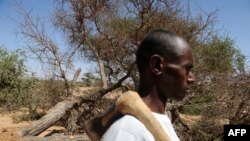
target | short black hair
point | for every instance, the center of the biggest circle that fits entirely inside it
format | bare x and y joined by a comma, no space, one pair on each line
156,42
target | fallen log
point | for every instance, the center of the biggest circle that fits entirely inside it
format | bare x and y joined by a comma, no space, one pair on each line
49,119
57,137
60,109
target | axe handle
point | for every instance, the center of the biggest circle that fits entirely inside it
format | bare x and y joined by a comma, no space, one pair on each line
131,103
96,127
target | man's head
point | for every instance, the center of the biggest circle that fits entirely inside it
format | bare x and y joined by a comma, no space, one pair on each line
164,61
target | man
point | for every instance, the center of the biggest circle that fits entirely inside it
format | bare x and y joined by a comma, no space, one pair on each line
164,61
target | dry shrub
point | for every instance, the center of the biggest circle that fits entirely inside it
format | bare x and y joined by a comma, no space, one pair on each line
49,93
230,104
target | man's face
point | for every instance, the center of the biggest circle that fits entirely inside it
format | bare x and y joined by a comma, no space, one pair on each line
177,76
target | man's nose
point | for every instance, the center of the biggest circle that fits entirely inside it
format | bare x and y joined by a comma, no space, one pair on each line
191,78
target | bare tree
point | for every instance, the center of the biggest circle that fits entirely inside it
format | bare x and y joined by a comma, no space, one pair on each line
43,47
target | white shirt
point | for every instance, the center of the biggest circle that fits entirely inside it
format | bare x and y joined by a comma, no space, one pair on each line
129,128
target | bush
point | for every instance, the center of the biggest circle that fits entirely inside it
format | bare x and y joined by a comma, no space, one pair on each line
15,88
50,92
198,103
224,100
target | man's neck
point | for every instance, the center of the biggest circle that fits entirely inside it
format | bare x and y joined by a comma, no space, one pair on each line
150,96
153,101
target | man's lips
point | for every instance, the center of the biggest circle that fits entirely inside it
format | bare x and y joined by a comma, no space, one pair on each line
187,91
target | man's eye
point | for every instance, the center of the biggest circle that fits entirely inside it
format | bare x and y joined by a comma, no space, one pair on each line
189,67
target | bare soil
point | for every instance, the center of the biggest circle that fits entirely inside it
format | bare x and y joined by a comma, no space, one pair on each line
8,129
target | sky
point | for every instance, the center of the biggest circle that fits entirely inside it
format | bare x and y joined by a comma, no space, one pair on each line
233,20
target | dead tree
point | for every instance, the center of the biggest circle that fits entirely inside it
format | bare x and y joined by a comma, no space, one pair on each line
44,48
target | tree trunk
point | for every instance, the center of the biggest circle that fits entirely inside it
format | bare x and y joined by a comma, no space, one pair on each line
102,72
49,119
100,64
76,75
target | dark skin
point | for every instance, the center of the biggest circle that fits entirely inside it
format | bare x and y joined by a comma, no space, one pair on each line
164,79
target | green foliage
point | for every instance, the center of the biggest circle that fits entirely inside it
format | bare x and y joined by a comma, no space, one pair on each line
219,55
14,87
90,80
125,26
191,110
11,67
197,103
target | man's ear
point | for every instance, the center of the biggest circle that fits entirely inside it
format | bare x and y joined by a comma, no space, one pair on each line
156,64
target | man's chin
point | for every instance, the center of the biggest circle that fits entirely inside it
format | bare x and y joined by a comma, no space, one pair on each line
180,97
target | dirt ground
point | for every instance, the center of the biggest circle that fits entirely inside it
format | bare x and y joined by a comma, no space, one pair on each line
8,129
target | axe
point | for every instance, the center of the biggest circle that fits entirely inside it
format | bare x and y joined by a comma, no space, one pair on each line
130,103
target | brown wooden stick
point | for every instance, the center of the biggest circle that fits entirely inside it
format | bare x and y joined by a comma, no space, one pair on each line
96,127
129,103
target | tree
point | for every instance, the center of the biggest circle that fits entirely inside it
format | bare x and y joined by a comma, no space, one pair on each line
15,86
89,79
12,67
219,55
110,31
42,45
78,24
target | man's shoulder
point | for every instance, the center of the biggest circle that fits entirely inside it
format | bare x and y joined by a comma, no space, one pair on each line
128,126
130,123
162,117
